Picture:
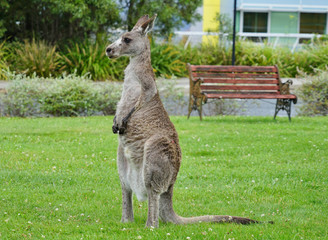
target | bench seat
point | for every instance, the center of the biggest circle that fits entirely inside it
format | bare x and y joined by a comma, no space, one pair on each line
238,82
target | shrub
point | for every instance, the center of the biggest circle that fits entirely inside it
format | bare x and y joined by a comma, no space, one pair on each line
88,57
207,54
252,54
22,96
166,60
37,57
69,95
3,62
108,96
312,57
172,96
314,93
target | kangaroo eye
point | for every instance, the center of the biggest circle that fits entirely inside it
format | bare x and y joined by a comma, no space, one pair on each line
127,40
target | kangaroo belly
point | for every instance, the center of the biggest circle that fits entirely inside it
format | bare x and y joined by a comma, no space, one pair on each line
134,175
135,179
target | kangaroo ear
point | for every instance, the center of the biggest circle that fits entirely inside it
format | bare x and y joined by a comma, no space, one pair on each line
148,25
141,20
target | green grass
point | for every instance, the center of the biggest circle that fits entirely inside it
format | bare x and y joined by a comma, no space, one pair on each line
58,179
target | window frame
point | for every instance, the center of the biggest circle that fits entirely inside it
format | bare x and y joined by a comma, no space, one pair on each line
299,22
242,16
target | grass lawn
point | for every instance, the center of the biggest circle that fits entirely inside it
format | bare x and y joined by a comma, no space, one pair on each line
58,179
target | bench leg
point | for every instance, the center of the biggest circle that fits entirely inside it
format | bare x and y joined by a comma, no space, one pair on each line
195,104
200,109
190,107
283,104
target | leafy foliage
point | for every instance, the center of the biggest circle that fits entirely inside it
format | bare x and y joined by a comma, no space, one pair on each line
207,54
171,95
22,96
314,94
60,20
88,57
251,54
4,5
69,95
37,57
166,60
171,13
3,63
56,20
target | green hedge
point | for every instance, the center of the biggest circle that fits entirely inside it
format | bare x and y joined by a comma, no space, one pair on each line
314,94
68,95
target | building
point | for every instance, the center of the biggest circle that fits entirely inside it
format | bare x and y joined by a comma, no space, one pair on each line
287,22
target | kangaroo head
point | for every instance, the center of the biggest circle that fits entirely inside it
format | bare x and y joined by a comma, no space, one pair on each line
132,43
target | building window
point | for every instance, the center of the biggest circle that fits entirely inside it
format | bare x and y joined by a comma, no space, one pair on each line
255,22
313,23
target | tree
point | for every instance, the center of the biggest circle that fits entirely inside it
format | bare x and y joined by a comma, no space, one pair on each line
225,24
3,10
60,20
172,14
57,20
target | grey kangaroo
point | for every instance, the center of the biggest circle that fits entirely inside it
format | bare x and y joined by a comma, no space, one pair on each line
149,154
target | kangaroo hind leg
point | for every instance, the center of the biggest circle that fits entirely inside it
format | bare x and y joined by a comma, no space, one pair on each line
158,174
127,207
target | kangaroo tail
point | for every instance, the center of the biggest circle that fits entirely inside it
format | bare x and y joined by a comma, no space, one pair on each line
167,214
215,219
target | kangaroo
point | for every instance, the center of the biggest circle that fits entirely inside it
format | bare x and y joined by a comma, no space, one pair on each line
149,155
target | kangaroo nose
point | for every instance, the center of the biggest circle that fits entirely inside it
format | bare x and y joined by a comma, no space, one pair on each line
108,50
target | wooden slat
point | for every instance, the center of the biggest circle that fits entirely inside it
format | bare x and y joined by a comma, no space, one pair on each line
211,68
250,96
233,75
243,81
237,87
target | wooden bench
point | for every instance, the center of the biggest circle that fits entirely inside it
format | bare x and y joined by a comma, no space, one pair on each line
238,82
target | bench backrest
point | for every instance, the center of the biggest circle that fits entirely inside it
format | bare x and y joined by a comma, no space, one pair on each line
241,79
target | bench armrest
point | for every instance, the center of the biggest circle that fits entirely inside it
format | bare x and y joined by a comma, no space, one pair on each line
285,87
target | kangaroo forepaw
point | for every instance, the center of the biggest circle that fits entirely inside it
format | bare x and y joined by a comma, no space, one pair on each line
115,129
125,120
121,130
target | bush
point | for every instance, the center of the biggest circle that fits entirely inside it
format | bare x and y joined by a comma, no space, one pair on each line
88,57
314,93
3,63
312,57
166,60
172,96
108,96
207,54
37,57
22,96
252,54
69,95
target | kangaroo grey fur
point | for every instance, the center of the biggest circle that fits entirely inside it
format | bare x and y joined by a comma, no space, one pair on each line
149,154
